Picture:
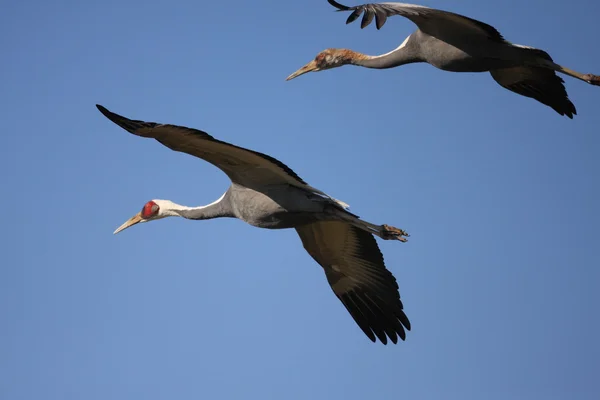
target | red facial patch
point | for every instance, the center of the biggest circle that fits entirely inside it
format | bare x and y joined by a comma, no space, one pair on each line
149,210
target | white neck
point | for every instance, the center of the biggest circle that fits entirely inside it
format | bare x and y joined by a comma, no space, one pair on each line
216,209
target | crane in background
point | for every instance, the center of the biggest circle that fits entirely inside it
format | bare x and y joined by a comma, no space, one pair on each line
452,42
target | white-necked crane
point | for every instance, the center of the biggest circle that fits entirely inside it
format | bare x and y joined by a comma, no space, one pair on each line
452,42
267,194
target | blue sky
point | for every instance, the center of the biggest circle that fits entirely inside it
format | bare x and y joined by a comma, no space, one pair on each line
499,193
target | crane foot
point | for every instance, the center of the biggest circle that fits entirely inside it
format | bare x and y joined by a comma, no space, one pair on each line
391,233
592,79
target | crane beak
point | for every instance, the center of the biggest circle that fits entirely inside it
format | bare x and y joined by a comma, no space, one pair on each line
310,67
130,222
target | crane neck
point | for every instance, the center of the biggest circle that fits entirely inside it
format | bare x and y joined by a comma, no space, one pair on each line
220,208
406,53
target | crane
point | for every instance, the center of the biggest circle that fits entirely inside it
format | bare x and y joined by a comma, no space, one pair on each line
452,42
265,193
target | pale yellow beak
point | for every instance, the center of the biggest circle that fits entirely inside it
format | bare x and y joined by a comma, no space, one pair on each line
310,67
130,222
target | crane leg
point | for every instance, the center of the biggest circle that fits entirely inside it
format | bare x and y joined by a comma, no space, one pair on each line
589,78
592,79
392,233
386,232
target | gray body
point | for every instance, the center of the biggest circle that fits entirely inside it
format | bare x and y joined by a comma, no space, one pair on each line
281,207
267,194
422,47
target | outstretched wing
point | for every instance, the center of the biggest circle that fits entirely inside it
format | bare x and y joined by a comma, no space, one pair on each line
355,270
246,167
541,84
443,25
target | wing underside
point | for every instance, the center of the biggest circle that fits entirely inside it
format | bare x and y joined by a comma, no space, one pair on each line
356,272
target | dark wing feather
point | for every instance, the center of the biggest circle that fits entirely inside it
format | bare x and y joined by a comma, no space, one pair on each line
438,23
380,17
241,165
356,272
541,84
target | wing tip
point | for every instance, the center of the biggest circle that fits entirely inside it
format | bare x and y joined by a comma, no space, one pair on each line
125,123
340,7
108,114
376,322
116,118
102,109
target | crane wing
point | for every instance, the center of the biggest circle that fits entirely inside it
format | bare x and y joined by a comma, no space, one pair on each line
355,270
541,84
443,25
243,166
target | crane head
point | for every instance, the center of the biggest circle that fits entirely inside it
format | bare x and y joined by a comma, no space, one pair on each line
150,212
327,59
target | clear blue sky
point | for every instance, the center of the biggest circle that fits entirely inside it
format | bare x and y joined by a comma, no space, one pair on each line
500,194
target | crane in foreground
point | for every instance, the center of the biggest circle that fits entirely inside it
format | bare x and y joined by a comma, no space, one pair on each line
267,194
452,42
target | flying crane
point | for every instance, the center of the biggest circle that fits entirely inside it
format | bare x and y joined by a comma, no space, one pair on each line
452,42
267,194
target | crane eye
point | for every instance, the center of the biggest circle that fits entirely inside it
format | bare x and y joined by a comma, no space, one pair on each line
150,209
